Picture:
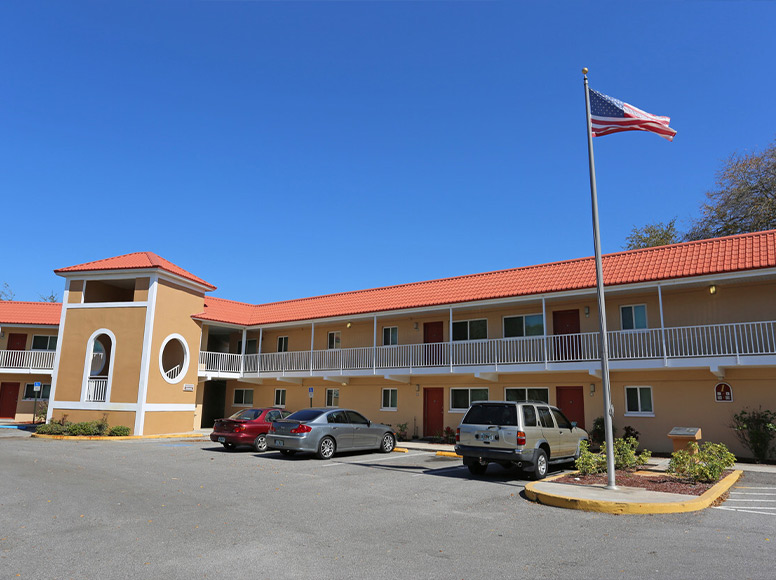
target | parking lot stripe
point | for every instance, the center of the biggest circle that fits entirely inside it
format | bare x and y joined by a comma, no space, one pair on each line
719,507
333,463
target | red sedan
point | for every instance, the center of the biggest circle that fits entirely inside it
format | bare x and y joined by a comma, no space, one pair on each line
246,427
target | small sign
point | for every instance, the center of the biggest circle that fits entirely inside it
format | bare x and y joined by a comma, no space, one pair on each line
685,432
723,393
189,388
310,392
36,386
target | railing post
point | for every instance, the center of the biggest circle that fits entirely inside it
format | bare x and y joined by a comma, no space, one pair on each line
544,330
374,347
735,341
312,338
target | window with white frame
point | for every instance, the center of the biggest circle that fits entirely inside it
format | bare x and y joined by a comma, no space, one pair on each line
280,398
470,329
461,399
638,401
390,335
243,397
44,343
525,325
518,394
335,339
633,316
390,400
30,394
332,397
282,344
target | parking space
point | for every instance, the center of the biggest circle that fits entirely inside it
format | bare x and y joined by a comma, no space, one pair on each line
754,494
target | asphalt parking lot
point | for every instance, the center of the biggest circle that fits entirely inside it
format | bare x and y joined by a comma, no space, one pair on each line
189,509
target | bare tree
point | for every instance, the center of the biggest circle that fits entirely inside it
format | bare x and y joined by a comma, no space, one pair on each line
52,297
6,293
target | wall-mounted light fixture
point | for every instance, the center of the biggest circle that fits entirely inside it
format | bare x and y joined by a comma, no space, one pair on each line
2,333
592,389
416,326
587,312
349,324
343,384
417,388
712,289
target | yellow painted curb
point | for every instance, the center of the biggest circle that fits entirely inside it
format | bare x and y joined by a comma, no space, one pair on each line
622,507
125,438
401,450
448,454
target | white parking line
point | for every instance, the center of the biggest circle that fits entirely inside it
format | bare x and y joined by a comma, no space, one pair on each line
387,458
719,507
751,500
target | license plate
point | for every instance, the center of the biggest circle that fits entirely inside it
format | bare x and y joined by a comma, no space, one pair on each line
485,436
222,439
278,443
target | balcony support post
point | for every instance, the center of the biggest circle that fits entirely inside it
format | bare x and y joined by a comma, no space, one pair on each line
544,330
374,346
662,324
258,353
312,338
451,339
242,352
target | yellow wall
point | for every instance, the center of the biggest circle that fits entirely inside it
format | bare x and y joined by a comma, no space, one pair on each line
167,422
29,331
115,418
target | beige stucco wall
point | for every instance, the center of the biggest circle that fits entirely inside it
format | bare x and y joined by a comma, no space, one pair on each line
115,418
128,325
26,330
25,408
167,422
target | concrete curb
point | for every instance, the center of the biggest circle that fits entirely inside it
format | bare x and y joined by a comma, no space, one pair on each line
624,507
126,438
448,454
400,450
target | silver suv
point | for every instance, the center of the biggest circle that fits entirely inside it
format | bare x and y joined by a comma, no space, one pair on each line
528,434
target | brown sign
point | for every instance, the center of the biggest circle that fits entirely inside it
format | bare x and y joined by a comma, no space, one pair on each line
723,393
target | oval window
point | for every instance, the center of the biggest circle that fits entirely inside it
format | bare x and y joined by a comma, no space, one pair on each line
174,358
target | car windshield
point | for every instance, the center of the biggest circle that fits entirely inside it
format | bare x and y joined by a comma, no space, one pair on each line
246,414
494,414
305,415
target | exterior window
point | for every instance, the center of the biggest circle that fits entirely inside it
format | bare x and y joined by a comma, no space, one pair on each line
528,325
251,346
461,399
243,397
527,394
470,329
390,399
174,358
280,397
282,344
44,343
29,392
545,417
633,317
390,335
638,401
334,339
332,397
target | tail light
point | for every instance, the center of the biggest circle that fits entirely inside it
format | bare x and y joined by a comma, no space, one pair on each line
458,435
239,428
521,438
302,428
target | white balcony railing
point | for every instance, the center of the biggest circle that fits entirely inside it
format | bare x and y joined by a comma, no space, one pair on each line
738,339
27,359
96,389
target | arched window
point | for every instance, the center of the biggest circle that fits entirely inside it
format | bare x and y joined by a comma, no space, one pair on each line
98,369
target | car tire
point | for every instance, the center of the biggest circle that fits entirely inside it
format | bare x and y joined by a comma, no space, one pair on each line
540,464
229,446
477,468
326,448
288,452
387,443
260,443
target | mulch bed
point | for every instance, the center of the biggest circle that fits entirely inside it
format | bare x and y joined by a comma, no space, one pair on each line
654,481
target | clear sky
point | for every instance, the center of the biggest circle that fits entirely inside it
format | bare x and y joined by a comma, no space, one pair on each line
289,149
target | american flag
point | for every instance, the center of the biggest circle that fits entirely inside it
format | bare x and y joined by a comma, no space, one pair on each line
610,115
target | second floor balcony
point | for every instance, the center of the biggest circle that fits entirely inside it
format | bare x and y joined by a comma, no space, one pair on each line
26,361
688,346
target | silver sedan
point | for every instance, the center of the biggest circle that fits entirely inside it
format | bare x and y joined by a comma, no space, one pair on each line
326,431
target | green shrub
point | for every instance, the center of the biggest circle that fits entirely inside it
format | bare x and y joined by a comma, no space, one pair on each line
598,432
119,431
52,429
401,431
756,430
86,429
704,464
625,457
448,436
41,410
629,431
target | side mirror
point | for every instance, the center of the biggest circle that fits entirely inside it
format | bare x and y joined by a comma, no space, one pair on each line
573,424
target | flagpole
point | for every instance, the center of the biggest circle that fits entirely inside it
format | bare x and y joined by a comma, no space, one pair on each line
603,342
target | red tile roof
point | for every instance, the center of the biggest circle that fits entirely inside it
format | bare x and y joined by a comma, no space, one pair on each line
135,261
38,313
706,257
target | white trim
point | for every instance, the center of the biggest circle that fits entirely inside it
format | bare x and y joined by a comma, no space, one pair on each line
275,399
526,392
109,305
148,333
96,406
248,405
133,274
628,413
88,363
42,384
49,336
397,335
186,359
382,399
61,330
452,409
326,399
161,407
505,316
633,314
468,328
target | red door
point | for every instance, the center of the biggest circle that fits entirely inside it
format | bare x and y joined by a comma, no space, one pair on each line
17,341
9,394
433,412
567,348
433,334
571,400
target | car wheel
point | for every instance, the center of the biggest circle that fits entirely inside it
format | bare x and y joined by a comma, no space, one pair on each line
229,446
326,448
260,443
477,468
388,443
288,452
540,464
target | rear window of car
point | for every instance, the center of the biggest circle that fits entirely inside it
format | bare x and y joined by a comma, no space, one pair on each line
305,415
246,414
491,415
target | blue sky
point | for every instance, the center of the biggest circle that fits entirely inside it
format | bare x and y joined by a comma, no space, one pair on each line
289,149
